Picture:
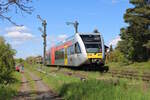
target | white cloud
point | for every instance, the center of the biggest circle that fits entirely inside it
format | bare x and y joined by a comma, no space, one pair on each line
53,40
17,28
115,41
18,34
57,39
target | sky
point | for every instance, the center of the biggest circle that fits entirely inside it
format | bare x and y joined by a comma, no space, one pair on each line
104,15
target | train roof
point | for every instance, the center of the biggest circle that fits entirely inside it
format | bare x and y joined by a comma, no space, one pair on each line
89,33
71,37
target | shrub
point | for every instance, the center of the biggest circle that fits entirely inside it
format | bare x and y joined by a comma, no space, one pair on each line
7,62
116,56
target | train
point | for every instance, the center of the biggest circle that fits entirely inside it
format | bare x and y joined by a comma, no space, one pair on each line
78,50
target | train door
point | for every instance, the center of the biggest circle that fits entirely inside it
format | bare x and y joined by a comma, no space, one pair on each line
70,55
78,55
65,56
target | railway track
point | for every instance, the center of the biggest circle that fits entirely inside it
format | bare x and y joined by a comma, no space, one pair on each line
127,74
134,75
145,76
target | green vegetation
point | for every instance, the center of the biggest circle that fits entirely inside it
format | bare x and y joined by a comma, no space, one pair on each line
72,88
135,38
9,80
101,90
7,92
7,62
55,81
139,66
30,81
135,44
117,57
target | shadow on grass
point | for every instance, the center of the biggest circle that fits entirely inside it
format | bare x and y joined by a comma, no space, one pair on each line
8,88
31,81
7,92
101,69
37,95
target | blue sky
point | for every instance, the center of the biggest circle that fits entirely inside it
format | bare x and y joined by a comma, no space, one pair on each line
105,15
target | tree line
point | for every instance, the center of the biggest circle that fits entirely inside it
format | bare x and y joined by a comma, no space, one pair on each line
135,38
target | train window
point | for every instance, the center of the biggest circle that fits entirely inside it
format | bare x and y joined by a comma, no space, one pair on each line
77,48
68,50
59,54
93,48
91,38
71,50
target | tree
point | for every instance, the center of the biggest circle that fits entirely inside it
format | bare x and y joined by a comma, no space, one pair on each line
30,60
7,62
7,6
2,40
136,36
111,48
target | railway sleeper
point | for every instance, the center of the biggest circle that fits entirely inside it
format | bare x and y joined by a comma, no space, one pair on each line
147,76
145,79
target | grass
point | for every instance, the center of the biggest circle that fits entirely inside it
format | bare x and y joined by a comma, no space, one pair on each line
89,74
55,80
140,66
100,90
7,92
30,81
71,88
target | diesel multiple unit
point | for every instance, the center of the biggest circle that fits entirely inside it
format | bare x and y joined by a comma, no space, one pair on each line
80,49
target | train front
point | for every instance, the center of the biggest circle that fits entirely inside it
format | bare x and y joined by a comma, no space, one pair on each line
95,49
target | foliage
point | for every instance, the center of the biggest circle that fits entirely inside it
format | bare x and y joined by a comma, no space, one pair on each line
2,40
136,36
10,90
111,48
147,45
30,60
136,66
116,56
7,63
19,60
71,88
7,6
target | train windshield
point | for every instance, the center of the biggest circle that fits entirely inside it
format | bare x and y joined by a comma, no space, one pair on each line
92,43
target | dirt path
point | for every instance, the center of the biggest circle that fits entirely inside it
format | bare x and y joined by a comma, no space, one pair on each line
42,91
24,93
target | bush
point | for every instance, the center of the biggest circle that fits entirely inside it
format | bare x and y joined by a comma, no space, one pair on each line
116,56
7,92
7,62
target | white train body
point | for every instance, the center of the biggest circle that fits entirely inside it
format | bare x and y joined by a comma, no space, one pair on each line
80,49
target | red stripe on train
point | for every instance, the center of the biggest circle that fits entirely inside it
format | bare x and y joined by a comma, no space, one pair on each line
53,49
52,55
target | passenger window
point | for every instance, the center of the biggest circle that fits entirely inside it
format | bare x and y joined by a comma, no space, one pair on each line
77,48
68,50
71,50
